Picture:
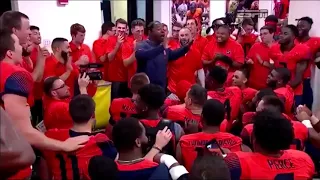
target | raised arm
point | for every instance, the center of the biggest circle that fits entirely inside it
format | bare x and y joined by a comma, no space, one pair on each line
176,54
145,54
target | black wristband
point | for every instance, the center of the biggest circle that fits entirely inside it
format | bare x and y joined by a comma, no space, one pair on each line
155,147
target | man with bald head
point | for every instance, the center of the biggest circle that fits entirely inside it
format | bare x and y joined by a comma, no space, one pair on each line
188,67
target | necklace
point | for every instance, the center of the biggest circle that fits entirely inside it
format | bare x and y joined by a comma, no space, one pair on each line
131,161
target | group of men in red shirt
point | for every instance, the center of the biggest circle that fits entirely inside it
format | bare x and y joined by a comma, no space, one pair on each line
240,114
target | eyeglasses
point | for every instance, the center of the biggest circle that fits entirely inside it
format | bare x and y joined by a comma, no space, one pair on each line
62,86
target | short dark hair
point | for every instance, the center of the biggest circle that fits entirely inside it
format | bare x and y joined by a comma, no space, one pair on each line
198,94
273,101
48,84
6,43
307,19
195,21
152,95
272,131
271,18
125,132
11,19
247,21
245,72
56,42
75,28
265,92
34,28
152,24
213,112
284,73
176,24
293,29
137,22
106,26
101,167
209,167
138,81
218,74
225,26
269,28
121,21
81,108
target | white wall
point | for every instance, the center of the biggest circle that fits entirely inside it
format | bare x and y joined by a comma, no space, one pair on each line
162,11
309,8
217,9
55,21
118,9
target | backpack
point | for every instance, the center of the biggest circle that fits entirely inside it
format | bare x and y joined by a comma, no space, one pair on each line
151,133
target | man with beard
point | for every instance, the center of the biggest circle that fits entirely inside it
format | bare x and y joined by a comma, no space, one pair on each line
153,54
56,111
295,57
60,64
278,80
186,66
223,45
304,25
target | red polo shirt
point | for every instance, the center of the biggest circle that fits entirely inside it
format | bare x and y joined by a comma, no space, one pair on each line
258,72
56,114
132,68
38,86
247,41
116,70
184,68
200,43
54,68
99,49
173,43
77,52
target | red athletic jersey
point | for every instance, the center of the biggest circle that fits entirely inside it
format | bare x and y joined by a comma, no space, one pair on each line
56,114
299,130
99,49
116,70
189,143
122,107
314,44
184,68
77,52
139,170
292,164
247,95
75,165
180,114
287,94
231,49
291,58
16,80
258,72
235,97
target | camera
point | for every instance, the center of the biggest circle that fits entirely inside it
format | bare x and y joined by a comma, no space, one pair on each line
92,70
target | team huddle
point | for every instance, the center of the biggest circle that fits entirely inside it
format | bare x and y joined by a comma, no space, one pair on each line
224,106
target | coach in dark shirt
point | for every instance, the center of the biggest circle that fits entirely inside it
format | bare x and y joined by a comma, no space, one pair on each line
153,54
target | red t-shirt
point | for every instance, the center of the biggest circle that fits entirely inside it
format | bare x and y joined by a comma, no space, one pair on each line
132,68
16,80
258,72
180,114
247,41
292,164
287,94
54,68
74,165
77,52
189,143
56,114
99,49
200,43
38,86
291,58
173,44
231,49
122,107
314,44
184,68
247,95
116,70
234,95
